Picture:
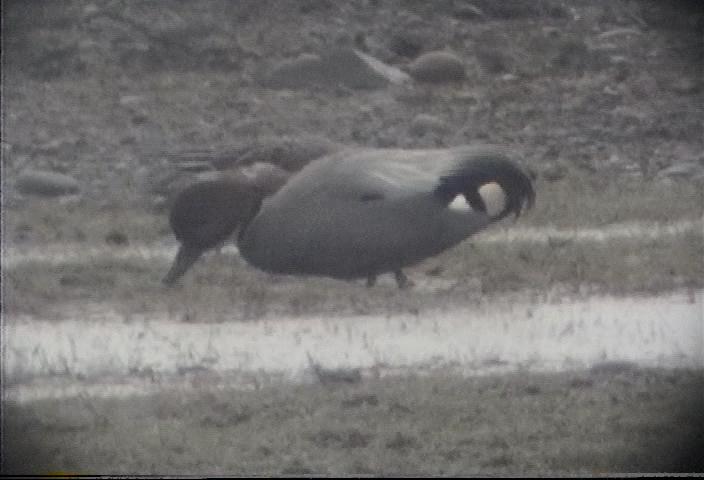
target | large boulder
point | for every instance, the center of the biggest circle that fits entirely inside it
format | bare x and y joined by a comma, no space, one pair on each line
438,67
342,66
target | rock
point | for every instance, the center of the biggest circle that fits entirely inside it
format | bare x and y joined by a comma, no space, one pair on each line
438,67
342,66
131,100
46,183
684,170
468,12
299,72
194,165
643,85
554,172
290,153
424,123
516,9
621,66
309,6
492,61
201,160
116,237
618,32
612,367
572,54
686,15
208,175
407,44
552,32
686,86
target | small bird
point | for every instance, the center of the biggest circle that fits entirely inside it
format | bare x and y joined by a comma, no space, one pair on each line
359,213
207,213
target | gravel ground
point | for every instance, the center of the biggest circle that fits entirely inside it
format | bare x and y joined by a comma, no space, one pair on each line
599,99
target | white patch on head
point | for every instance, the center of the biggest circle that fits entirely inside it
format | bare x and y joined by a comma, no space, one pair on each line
494,198
492,194
459,204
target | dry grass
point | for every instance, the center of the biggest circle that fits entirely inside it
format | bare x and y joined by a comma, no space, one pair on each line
583,200
80,222
630,420
223,286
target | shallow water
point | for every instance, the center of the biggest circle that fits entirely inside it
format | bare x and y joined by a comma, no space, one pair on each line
106,353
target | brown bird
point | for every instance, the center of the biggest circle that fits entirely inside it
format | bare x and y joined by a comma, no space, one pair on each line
207,213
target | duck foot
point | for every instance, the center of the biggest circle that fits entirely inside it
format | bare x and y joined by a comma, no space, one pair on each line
371,281
402,280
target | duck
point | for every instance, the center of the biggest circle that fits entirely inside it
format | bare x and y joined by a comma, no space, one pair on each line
362,212
208,212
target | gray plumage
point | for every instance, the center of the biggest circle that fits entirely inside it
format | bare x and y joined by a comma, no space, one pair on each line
360,213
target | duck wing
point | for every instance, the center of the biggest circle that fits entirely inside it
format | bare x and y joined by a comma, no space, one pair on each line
364,211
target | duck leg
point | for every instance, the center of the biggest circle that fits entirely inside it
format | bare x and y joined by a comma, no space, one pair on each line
185,258
371,280
402,280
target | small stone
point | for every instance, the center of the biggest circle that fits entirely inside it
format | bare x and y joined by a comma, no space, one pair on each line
492,61
554,173
618,32
572,54
643,85
115,237
686,86
468,12
682,171
610,367
90,9
407,44
195,165
70,280
552,32
424,123
295,73
610,91
130,100
46,183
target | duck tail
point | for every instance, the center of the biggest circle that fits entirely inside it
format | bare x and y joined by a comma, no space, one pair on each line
478,167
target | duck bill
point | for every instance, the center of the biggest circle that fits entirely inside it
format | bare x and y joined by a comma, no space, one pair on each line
185,258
